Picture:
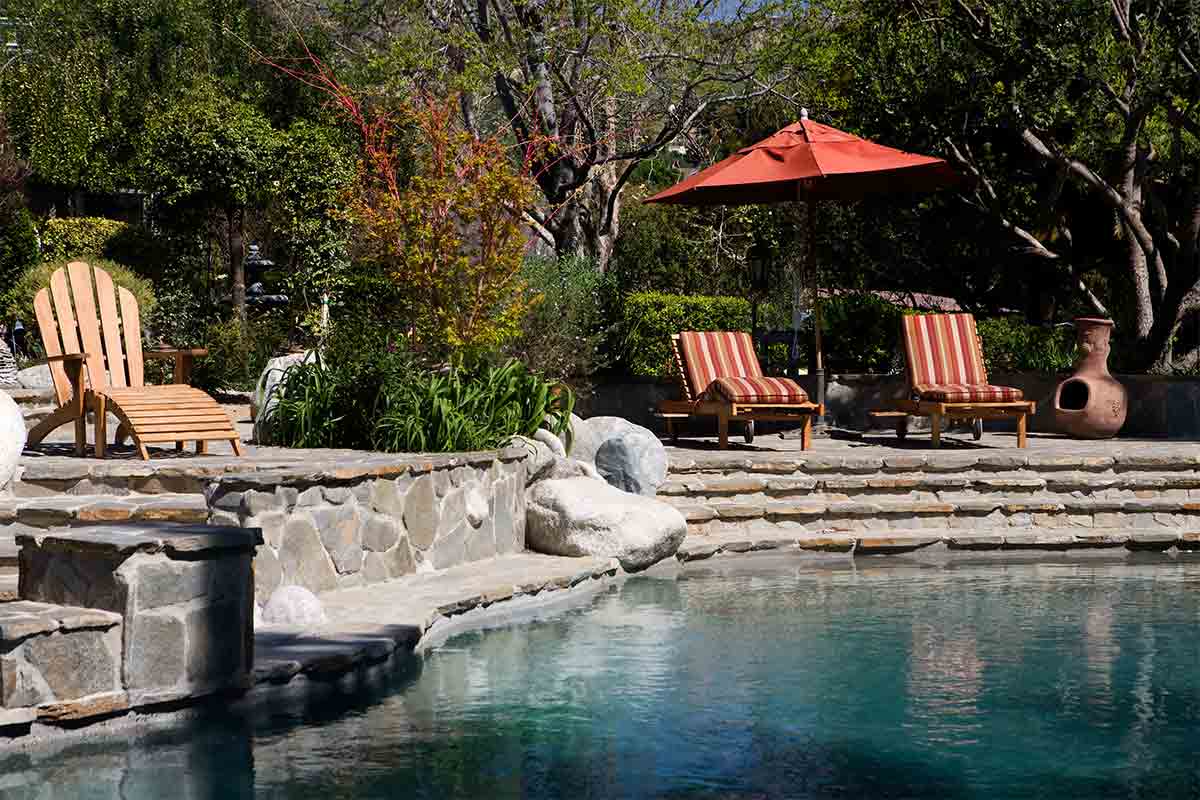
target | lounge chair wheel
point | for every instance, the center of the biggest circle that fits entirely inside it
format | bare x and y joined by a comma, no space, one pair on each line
749,434
902,428
977,428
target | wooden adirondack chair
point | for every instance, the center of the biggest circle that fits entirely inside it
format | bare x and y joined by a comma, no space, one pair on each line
92,335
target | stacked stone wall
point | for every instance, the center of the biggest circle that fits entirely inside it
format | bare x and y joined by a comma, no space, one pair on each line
362,530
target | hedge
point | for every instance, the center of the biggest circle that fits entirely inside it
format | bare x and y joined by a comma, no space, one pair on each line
87,238
649,319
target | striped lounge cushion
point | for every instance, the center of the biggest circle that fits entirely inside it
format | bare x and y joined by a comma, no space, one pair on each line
945,362
759,390
963,393
708,355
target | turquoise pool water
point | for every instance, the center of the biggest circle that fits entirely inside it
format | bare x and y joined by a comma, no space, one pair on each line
758,679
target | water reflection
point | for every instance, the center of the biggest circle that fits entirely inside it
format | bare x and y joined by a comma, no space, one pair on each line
748,679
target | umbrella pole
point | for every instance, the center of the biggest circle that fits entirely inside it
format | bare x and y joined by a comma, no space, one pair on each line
818,356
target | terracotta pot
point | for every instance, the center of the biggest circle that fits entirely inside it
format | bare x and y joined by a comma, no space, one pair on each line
1091,404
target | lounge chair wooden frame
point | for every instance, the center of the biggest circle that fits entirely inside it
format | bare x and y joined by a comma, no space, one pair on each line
939,412
96,363
727,411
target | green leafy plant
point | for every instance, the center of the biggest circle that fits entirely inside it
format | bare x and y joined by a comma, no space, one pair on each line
238,352
1012,345
365,391
566,327
860,332
464,408
18,301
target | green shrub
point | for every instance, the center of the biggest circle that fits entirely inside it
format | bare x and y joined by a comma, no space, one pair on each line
1012,345
237,353
18,245
860,333
565,328
18,301
649,319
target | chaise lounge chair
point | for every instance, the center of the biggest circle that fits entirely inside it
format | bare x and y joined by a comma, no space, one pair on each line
947,379
719,376
81,328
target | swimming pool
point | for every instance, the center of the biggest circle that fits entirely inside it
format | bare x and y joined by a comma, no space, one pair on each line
760,677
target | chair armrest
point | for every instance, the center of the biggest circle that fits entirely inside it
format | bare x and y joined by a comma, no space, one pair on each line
167,355
182,357
65,357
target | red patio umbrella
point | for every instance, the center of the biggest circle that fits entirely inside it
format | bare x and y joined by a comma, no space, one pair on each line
809,161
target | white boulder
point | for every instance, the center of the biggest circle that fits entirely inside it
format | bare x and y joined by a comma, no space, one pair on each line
585,517
12,438
35,377
267,389
595,431
634,462
293,605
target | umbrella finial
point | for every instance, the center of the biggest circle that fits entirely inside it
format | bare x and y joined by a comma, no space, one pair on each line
803,113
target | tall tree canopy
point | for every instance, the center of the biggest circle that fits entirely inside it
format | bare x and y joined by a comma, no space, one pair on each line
1077,122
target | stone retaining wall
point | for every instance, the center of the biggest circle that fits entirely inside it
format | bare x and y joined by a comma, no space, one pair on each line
112,618
331,530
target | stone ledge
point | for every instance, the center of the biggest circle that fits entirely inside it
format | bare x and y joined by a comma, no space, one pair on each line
701,546
22,619
177,540
370,625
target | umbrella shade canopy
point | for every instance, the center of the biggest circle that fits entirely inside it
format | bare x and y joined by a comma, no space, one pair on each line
808,160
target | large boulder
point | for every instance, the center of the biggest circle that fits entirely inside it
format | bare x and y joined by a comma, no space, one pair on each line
12,438
585,517
266,392
595,431
293,605
633,462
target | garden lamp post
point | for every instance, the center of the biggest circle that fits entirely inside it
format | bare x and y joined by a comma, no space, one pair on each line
809,162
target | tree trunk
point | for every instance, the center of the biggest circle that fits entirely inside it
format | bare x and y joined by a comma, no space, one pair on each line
237,260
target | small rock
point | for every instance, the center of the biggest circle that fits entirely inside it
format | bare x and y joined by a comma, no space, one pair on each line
476,507
550,440
12,438
293,605
633,462
584,517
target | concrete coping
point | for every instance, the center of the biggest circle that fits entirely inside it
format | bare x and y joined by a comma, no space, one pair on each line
176,540
22,619
267,466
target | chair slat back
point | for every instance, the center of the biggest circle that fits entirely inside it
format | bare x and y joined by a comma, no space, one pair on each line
942,349
708,355
79,313
52,342
680,371
110,325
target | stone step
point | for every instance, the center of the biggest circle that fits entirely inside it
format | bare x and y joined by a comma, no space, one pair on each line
983,460
8,551
8,583
983,511
72,510
765,537
747,487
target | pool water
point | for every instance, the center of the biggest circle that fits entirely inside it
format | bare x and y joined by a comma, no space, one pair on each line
759,678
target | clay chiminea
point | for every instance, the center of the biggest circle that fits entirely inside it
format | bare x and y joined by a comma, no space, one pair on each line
1091,404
